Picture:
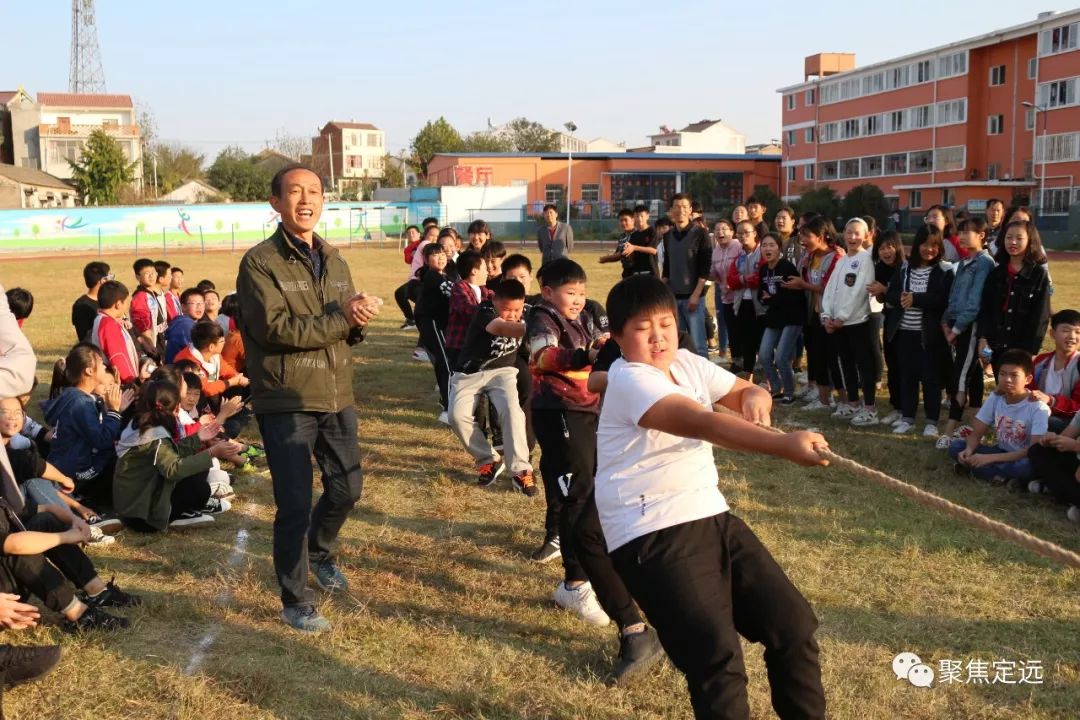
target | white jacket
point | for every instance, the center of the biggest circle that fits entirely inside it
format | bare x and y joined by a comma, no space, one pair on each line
846,298
17,366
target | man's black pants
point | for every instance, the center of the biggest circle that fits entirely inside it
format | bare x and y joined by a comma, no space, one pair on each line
304,535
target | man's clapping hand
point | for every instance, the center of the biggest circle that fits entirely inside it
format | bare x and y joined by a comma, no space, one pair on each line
362,309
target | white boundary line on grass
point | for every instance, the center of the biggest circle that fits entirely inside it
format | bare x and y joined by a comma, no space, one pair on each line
223,600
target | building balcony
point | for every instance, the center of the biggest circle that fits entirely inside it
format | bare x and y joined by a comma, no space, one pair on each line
73,130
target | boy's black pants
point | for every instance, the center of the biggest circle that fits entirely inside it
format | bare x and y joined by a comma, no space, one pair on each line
1058,471
704,583
26,575
70,560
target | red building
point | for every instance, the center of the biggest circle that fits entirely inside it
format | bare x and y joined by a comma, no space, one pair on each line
956,124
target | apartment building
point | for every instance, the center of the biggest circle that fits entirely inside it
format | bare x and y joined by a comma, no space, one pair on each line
348,152
957,124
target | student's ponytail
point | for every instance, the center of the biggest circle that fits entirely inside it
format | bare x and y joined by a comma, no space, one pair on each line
157,406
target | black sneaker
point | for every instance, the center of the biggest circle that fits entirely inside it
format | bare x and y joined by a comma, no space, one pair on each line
107,524
548,551
94,619
113,596
637,653
22,664
961,469
787,399
408,324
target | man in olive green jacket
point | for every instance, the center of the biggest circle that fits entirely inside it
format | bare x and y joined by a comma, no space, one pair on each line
302,315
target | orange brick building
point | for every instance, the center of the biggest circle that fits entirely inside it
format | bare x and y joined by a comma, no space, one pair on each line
611,179
956,124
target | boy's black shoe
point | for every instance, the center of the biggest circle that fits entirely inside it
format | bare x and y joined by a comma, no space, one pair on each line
94,619
637,653
548,551
489,473
961,469
113,596
23,664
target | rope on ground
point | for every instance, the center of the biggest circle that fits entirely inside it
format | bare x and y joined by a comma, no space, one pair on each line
928,499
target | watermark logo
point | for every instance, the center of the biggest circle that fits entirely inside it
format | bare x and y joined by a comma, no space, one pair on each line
975,671
908,666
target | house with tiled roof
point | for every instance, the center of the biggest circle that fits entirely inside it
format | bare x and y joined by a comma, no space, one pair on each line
704,136
22,188
345,153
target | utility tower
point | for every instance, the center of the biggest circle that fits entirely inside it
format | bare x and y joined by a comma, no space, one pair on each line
86,75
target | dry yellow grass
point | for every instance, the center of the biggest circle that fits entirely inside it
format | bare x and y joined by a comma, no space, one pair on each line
447,618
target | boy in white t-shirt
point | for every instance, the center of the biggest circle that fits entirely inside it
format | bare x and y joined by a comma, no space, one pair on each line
698,572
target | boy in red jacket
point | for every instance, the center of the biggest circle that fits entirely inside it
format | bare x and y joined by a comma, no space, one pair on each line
1056,380
109,335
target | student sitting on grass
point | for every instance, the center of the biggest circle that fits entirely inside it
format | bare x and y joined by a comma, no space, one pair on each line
179,333
191,419
1055,460
1019,420
161,480
699,573
1056,379
219,378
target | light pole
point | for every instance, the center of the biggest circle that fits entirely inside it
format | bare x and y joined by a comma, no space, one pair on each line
1038,110
570,128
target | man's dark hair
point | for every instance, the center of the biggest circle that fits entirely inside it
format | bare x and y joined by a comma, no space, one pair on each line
177,269
561,271
626,212
94,272
479,226
680,196
753,200
993,201
550,206
141,264
205,333
493,249
211,291
279,177
641,209
510,290
111,292
1065,317
162,267
21,302
637,295
205,285
696,208
187,295
467,263
1017,358
510,262
429,221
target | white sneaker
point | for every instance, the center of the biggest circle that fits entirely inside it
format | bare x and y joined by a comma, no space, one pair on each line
807,394
1073,513
444,418
801,377
892,418
943,442
929,431
865,417
843,411
815,404
581,600
902,427
99,538
1035,487
420,355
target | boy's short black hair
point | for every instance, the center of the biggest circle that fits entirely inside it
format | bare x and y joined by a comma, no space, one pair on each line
163,267
626,212
972,224
206,284
479,226
636,295
95,272
512,262
1017,358
561,271
141,264
680,196
510,290
432,248
21,302
641,209
111,292
467,263
182,366
493,249
412,227
550,206
177,269
193,381
186,295
753,200
664,222
279,177
1065,317
205,333
429,221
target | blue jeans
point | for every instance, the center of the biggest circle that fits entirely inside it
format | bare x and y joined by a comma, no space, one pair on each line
721,322
781,342
693,323
1016,469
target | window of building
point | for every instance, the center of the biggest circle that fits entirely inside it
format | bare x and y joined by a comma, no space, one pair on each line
870,166
829,132
896,121
1059,93
829,170
1029,119
352,140
993,170
1033,68
951,65
921,161
62,150
995,125
871,125
373,139
849,168
896,164
590,192
915,199
791,138
1029,169
952,111
553,194
949,158
790,101
112,124
849,129
808,135
920,116
948,197
791,174
808,172
1055,201
997,75
1063,147
810,97
1060,39
922,72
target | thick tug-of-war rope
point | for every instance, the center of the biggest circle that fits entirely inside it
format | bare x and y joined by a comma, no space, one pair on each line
1000,529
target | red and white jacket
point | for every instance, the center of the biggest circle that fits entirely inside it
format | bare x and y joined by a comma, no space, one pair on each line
149,313
1067,403
119,349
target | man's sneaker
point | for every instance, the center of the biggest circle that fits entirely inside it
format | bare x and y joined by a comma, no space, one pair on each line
407,324
444,418
525,483
801,377
815,404
95,619
581,600
943,442
420,355
99,538
548,551
305,618
489,473
902,427
787,400
892,418
929,430
1073,513
329,577
216,506
23,664
190,519
105,523
865,417
1035,487
843,411
637,653
113,596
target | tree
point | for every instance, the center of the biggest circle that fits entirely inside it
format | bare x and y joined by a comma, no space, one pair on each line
702,188
102,171
176,164
821,200
292,146
393,174
487,142
866,199
437,136
235,173
529,136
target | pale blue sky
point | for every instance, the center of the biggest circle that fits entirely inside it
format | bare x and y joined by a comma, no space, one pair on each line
218,72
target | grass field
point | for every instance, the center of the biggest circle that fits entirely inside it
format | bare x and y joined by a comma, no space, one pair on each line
447,618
